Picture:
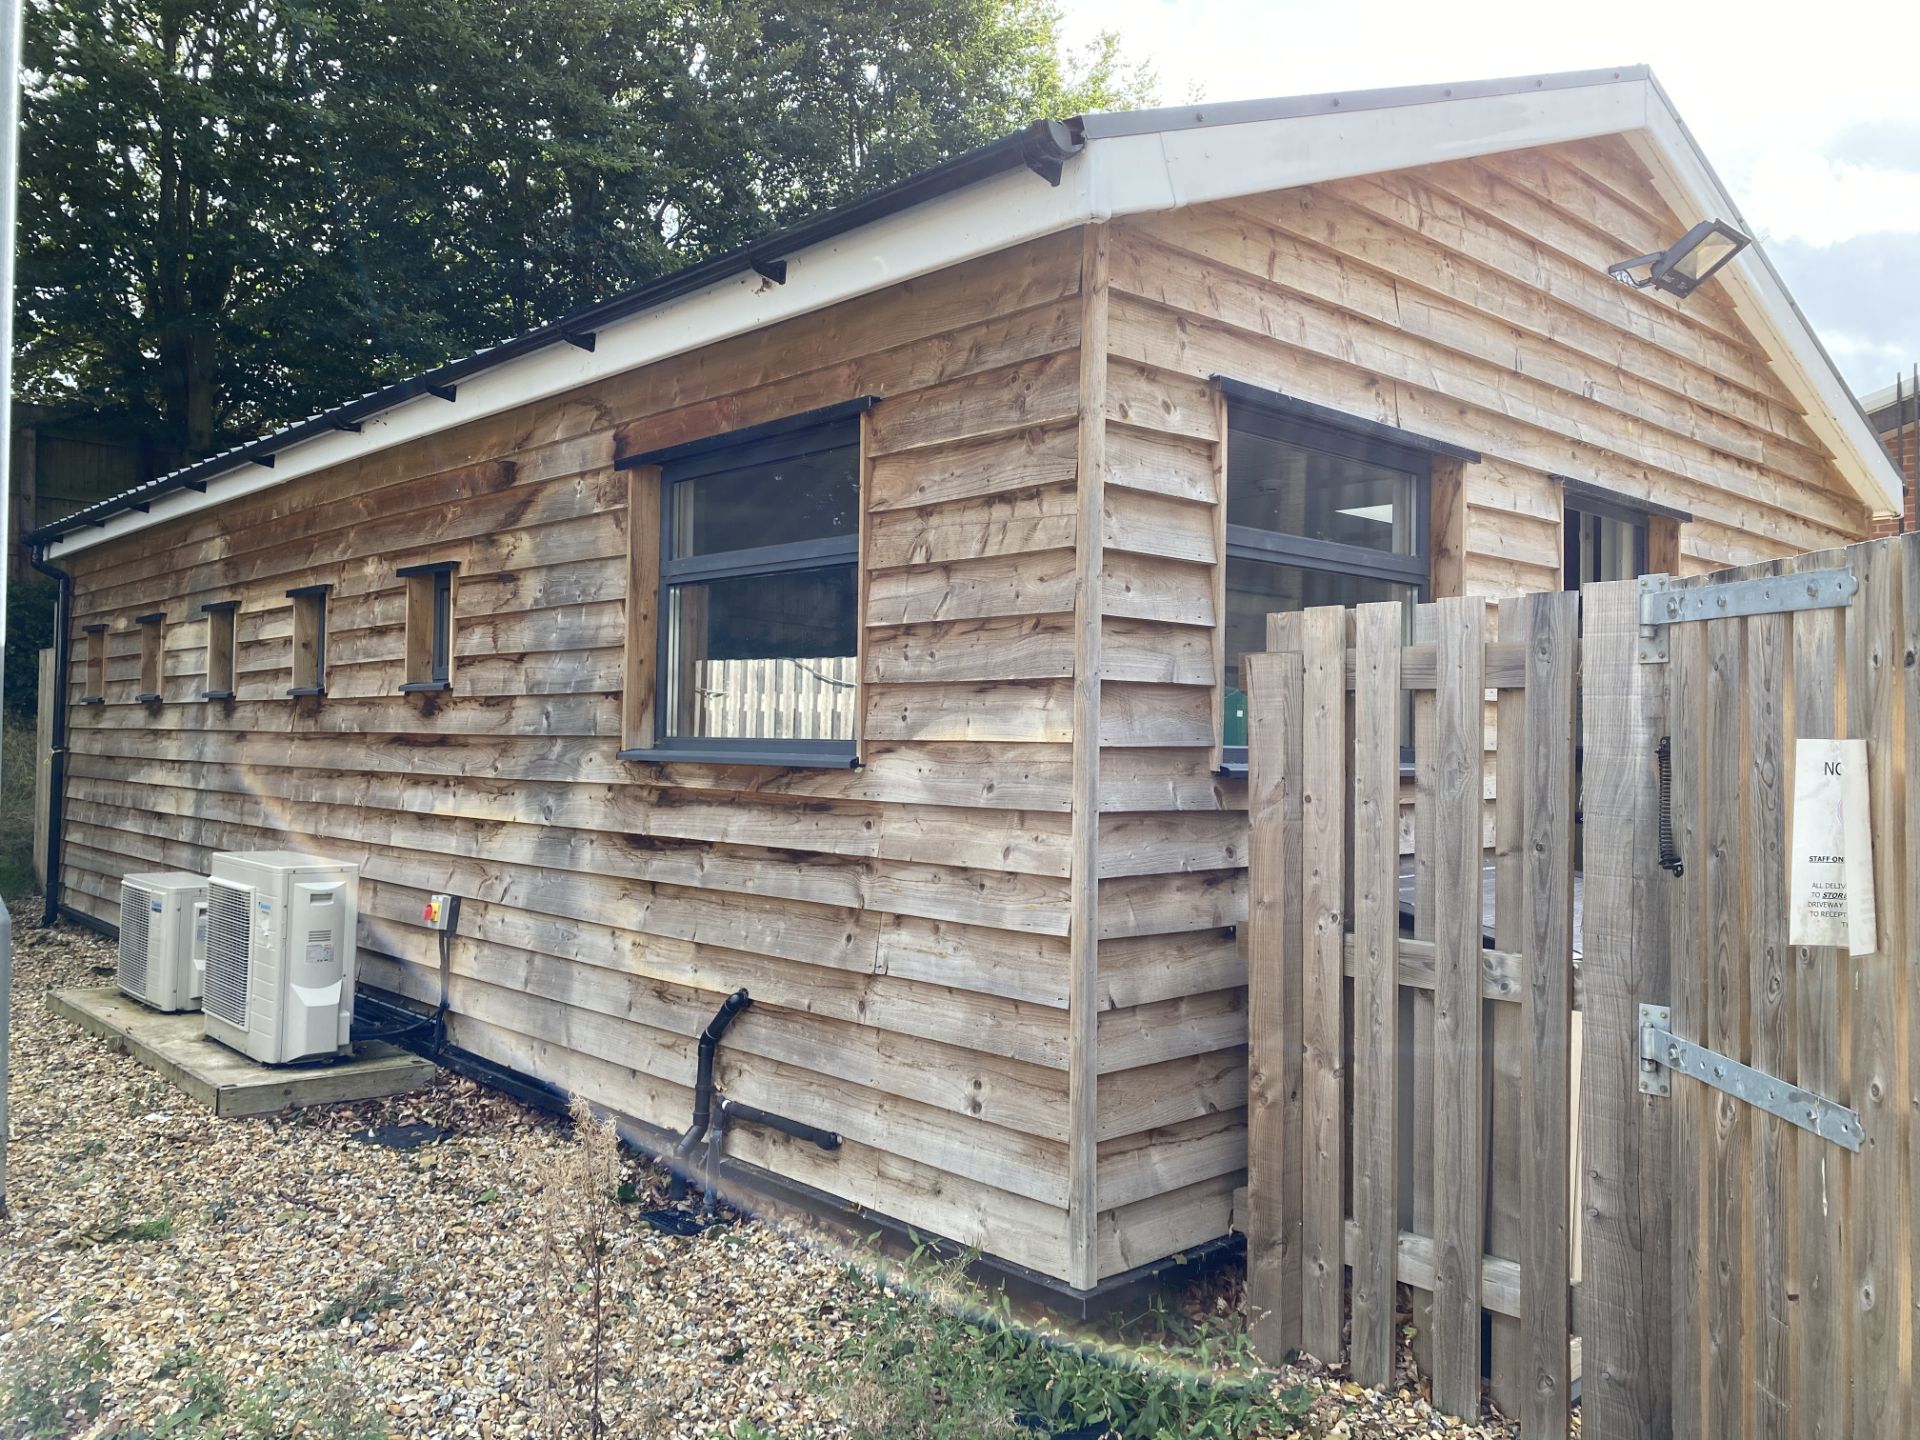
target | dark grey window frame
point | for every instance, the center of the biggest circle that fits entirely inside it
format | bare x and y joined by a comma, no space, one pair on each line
833,427
1308,426
319,593
224,607
440,650
1584,498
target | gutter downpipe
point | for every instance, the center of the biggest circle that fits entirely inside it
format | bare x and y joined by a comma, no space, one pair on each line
703,1087
57,759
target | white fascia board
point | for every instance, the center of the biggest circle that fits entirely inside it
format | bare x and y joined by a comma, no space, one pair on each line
993,215
1167,169
1687,183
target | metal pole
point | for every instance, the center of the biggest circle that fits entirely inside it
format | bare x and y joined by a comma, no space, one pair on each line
10,27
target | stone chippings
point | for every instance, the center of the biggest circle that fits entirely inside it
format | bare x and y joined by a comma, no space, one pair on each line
426,1266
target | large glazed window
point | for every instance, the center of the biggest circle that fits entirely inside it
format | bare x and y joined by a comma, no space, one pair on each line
756,645
1317,514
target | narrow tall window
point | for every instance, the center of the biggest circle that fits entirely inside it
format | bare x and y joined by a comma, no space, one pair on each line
220,625
153,632
1322,509
429,625
757,586
94,684
1611,536
309,639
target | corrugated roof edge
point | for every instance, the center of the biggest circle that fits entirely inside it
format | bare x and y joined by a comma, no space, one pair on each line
1042,146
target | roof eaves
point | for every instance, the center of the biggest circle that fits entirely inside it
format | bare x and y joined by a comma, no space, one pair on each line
1042,146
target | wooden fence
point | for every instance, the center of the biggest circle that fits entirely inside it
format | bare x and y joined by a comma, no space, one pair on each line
809,699
1416,1049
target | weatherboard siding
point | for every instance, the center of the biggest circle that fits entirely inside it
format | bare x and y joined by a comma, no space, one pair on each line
1466,302
905,926
902,926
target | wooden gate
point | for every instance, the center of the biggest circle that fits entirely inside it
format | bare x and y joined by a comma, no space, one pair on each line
1416,1048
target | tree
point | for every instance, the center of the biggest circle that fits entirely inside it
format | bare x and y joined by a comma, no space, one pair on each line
234,212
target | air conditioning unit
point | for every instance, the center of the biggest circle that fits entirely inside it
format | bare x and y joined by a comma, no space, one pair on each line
156,938
280,954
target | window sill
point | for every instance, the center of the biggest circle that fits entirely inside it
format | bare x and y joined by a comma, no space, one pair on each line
216,694
302,690
147,699
93,699
771,757
426,687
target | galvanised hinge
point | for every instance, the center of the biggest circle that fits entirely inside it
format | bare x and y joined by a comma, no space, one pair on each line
1662,1053
1661,606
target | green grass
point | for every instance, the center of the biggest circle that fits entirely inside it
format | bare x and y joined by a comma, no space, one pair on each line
18,766
938,1360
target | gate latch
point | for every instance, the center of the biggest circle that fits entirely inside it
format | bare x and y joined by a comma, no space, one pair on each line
1662,1053
1661,606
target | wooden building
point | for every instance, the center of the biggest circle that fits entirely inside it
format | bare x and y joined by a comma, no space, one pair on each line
852,618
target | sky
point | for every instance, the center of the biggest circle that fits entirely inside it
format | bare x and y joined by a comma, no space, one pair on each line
1810,114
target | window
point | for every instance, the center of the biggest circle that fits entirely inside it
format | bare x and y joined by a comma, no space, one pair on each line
1322,509
94,685
1607,536
220,618
153,630
429,626
755,595
309,639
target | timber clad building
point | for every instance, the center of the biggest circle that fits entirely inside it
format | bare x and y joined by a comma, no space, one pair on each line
853,619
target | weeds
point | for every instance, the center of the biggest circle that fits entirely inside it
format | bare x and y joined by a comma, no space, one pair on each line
54,1383
948,1363
577,1216
369,1297
52,1379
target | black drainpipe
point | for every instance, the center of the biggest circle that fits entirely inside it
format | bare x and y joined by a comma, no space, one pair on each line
57,771
703,1086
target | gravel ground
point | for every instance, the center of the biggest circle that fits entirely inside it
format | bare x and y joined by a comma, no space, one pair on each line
427,1276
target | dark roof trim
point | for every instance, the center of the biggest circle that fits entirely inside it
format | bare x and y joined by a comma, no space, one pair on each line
1274,402
727,439
1252,112
300,590
214,607
1043,147
153,619
1578,490
437,567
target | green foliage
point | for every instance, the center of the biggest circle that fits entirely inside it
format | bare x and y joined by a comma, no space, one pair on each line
236,211
17,766
953,1367
53,1385
30,606
50,1379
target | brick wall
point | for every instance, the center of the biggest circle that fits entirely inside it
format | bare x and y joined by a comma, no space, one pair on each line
1904,446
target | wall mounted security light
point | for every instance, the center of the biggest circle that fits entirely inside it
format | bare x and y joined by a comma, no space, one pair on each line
1696,258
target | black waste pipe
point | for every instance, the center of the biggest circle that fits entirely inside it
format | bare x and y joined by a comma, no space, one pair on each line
703,1086
57,761
732,1110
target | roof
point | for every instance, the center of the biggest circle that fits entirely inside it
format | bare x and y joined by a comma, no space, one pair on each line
1895,406
1048,177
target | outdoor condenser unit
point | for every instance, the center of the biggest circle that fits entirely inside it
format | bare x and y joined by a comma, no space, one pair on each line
156,938
280,952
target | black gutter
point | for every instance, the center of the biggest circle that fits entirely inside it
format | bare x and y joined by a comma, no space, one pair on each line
57,760
703,1081
1043,147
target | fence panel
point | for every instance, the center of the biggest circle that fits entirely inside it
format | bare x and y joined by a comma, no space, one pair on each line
1421,1208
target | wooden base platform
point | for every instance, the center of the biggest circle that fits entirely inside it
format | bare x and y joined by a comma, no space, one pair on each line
224,1080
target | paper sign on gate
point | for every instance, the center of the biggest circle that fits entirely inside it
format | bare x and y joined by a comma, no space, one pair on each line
1832,847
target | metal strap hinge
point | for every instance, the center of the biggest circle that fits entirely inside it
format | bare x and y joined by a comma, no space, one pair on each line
1661,605
1662,1052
